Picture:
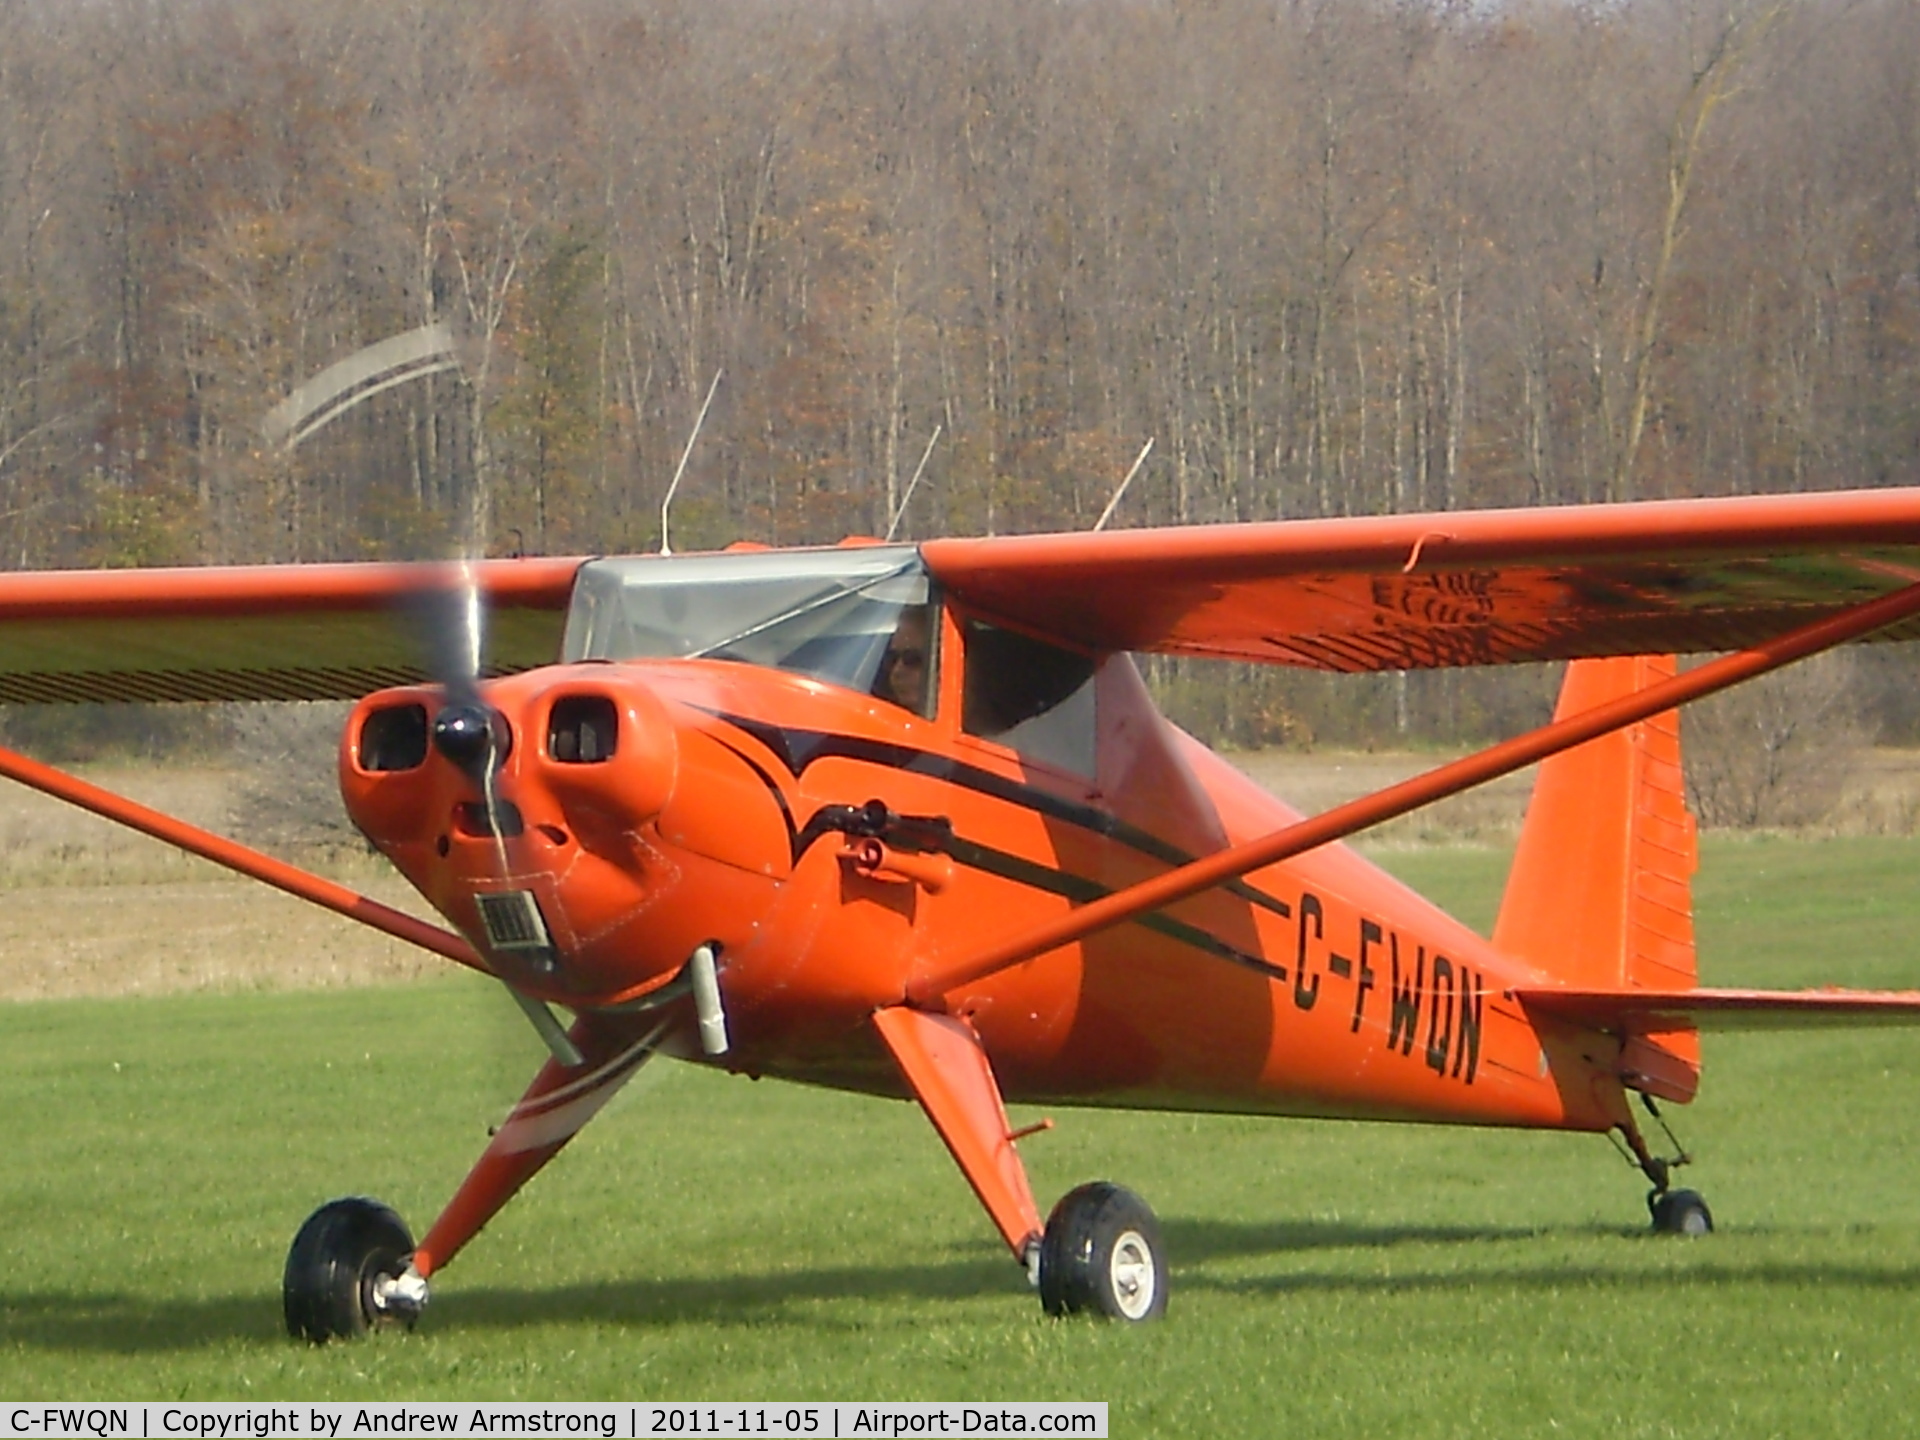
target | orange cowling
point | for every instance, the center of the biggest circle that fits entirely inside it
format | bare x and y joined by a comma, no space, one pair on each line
544,865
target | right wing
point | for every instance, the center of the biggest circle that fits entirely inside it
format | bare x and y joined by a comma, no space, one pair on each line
1486,587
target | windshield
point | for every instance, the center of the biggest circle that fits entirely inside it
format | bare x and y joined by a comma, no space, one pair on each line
825,613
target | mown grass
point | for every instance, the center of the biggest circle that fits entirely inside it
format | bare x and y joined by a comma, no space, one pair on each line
714,1238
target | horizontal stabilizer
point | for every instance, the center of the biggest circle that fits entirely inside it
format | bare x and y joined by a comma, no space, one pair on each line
1652,1012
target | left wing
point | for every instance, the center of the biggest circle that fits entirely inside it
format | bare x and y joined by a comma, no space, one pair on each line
1409,592
256,632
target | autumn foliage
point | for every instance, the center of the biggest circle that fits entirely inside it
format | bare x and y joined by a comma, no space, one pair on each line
1331,258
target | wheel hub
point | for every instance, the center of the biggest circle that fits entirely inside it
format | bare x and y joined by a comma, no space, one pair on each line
1132,1272
401,1296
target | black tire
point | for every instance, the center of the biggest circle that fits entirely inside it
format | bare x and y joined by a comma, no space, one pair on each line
1680,1212
345,1246
1101,1254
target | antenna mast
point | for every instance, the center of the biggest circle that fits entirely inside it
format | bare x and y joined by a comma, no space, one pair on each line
1114,503
918,471
681,469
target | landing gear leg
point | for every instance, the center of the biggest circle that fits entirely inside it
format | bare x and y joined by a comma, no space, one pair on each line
946,1068
1674,1212
560,1100
354,1267
1099,1252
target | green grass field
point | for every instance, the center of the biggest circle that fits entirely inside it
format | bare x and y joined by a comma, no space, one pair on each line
710,1237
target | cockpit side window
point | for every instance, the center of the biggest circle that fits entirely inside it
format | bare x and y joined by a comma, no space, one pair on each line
1032,696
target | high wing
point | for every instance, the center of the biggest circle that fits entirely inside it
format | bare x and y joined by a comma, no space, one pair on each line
1486,587
1377,593
256,632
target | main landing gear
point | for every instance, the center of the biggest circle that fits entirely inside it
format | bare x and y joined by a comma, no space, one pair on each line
1099,1252
353,1266
348,1272
1675,1212
1101,1255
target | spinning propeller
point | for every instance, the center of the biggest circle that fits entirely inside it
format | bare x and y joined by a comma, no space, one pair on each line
452,621
476,739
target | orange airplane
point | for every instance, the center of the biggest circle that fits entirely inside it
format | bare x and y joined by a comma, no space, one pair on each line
902,819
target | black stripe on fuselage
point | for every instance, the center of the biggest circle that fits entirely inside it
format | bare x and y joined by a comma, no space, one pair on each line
821,745
1081,890
799,749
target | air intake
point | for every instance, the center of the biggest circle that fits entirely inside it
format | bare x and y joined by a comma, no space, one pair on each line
583,730
513,921
394,738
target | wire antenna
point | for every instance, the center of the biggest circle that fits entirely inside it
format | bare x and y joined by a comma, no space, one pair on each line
681,468
1114,503
900,512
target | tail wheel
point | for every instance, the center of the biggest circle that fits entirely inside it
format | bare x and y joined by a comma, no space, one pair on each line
1680,1212
336,1268
1101,1253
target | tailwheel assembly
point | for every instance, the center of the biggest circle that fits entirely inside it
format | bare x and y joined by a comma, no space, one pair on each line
1101,1254
1680,1212
348,1273
1675,1212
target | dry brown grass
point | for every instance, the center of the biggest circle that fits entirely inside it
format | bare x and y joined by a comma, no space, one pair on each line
94,909
1318,780
1875,792
1880,795
145,939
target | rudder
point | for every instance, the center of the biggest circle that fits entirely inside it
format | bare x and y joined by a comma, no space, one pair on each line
1601,891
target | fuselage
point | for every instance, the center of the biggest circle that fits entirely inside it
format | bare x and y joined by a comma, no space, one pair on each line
835,846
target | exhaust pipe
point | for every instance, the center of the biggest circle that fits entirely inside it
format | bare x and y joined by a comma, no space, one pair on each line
706,1001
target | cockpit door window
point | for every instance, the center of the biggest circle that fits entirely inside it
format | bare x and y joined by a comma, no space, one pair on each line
1031,696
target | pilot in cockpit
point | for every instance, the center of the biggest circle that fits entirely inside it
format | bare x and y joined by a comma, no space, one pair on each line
904,671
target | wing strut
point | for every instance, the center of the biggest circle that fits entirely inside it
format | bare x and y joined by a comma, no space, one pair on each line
235,856
1437,784
947,1069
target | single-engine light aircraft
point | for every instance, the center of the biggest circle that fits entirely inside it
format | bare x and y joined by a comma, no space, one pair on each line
902,819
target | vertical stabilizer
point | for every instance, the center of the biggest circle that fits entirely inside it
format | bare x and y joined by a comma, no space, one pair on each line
1601,891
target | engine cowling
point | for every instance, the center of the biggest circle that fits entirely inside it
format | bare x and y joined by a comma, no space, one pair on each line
531,822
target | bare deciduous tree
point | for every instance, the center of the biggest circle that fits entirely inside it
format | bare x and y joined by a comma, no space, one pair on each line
1778,751
1336,258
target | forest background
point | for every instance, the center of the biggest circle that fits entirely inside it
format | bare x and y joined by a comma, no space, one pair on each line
1332,257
